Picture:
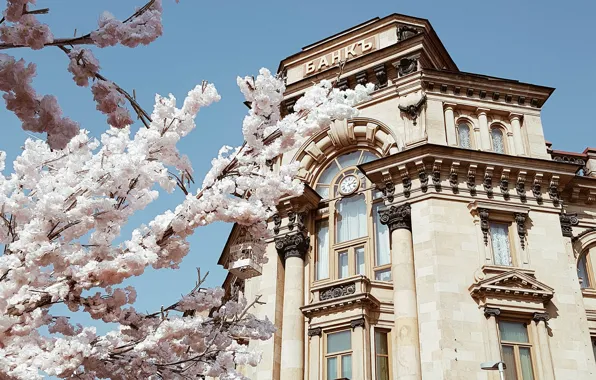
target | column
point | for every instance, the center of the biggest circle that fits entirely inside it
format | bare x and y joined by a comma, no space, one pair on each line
543,347
315,353
292,249
517,133
494,346
450,124
358,349
483,124
406,339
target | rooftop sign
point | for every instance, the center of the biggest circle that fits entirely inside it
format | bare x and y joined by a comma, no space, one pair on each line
345,53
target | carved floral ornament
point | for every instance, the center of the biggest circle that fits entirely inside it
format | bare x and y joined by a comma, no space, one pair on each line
396,217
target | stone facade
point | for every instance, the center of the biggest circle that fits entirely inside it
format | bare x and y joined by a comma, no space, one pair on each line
437,231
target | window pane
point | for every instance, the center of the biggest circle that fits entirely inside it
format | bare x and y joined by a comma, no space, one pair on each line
499,234
342,264
322,264
367,157
582,272
509,359
323,191
382,368
525,359
513,332
349,159
381,346
383,275
329,173
351,218
339,341
463,132
332,369
360,261
382,253
498,142
346,366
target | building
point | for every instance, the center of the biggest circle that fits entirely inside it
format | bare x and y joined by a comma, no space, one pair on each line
438,230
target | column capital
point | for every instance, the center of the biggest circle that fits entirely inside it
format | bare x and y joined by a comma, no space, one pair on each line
294,245
481,110
492,312
448,105
360,322
315,331
544,317
514,115
396,217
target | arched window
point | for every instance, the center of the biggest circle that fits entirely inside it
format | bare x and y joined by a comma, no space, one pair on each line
583,272
464,135
350,238
498,139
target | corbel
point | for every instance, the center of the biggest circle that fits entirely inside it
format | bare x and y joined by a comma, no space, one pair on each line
553,190
389,189
472,179
488,181
591,197
453,177
504,183
381,74
483,214
567,222
575,194
276,223
520,220
422,175
405,180
537,187
436,175
520,185
360,322
342,84
362,78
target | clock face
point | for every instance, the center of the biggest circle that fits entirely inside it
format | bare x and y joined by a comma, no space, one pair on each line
349,185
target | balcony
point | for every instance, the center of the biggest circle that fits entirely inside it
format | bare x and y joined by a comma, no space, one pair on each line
242,262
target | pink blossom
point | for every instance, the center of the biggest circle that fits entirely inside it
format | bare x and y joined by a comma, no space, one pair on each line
111,102
83,66
28,32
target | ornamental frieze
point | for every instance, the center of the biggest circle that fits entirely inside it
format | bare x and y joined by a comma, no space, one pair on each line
337,291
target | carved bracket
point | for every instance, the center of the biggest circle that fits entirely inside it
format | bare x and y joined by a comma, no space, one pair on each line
423,176
405,180
453,180
520,220
488,181
436,174
276,223
538,317
381,74
553,190
396,217
504,184
360,322
483,214
567,222
472,179
315,331
413,110
520,186
491,312
537,187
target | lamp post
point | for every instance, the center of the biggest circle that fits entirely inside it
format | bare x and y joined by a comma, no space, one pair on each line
493,366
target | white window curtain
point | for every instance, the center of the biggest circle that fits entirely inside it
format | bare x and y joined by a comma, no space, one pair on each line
322,262
582,272
342,265
383,252
463,132
499,234
496,135
360,267
351,218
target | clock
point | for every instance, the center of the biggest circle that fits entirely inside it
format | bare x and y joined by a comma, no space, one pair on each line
349,184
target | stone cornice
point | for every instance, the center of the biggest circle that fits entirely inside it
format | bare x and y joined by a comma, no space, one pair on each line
359,300
512,284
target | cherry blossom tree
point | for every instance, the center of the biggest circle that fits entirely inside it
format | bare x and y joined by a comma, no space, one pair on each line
68,198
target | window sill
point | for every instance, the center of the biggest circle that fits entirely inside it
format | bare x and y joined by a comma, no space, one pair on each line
589,293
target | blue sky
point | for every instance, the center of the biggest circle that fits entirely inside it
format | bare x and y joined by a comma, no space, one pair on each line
547,43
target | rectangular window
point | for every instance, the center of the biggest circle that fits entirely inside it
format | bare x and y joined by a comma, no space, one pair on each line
582,271
383,252
351,218
499,237
339,355
360,268
383,275
322,257
517,350
342,265
381,355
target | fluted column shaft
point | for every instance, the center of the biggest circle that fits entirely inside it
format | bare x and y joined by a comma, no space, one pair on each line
292,249
406,338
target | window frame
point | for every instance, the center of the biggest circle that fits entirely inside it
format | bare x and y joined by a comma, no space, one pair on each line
503,130
338,354
471,129
517,345
389,355
589,271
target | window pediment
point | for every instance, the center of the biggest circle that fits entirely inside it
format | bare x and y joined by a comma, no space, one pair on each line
512,284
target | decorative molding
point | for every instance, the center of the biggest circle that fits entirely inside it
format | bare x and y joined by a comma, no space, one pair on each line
492,312
488,181
504,183
396,217
362,78
423,176
541,317
472,179
520,186
360,322
337,291
315,331
381,74
553,190
453,180
276,223
294,245
436,174
405,31
583,233
484,226
537,187
389,189
520,220
513,284
413,110
567,221
406,66
405,180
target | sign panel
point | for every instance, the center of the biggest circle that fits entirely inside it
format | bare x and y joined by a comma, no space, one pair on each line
345,53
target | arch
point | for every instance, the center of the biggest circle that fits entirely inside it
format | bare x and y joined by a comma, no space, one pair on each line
463,120
584,241
342,137
498,132
582,244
